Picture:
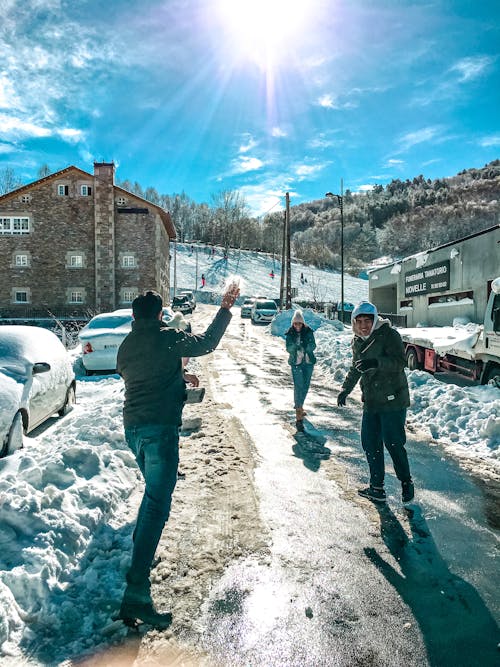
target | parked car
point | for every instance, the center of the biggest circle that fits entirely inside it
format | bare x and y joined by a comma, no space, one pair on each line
36,381
182,304
263,311
103,335
191,298
246,307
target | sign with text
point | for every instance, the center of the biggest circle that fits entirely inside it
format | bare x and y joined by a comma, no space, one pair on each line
427,279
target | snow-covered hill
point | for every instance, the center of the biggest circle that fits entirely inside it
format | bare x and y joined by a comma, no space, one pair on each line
256,270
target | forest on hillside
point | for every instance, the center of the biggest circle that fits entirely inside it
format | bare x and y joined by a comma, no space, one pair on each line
396,220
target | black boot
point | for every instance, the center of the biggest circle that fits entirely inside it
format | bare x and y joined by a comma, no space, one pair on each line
132,612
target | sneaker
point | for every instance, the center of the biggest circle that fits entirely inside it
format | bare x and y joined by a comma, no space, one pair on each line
378,495
133,612
407,491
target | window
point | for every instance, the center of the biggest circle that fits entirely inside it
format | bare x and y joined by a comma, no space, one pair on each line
13,225
128,261
21,296
25,199
76,261
121,201
63,190
129,295
466,297
76,296
21,260
86,190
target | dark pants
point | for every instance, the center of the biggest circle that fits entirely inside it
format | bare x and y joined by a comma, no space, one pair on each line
385,428
301,374
156,449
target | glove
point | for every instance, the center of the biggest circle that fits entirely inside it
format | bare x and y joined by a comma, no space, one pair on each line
341,398
364,365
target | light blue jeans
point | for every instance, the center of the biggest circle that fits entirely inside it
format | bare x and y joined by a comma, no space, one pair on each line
301,374
156,450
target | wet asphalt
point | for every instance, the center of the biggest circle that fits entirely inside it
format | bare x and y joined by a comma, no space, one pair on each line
345,581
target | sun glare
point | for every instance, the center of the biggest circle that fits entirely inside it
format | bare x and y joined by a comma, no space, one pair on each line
263,30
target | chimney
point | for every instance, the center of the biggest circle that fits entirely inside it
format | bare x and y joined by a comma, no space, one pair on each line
104,229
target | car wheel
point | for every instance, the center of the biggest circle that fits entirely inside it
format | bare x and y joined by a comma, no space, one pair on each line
494,378
14,439
412,360
69,402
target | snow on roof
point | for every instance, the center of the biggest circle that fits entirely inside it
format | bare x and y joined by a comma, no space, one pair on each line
445,339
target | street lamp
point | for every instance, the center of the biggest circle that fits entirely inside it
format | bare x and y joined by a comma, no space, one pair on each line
340,199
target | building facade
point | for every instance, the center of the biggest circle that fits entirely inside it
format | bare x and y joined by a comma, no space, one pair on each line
74,243
437,286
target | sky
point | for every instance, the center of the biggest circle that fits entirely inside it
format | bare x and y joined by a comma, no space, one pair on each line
259,96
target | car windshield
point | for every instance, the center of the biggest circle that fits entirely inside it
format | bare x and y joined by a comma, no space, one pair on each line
248,302
109,322
265,305
180,299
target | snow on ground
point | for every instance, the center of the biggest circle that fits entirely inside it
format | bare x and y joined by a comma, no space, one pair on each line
66,498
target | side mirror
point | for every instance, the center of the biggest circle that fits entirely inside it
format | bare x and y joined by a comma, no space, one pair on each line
40,367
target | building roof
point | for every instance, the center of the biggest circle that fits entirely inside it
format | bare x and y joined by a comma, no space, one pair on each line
439,247
164,215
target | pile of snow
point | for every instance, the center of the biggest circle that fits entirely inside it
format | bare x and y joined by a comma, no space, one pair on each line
459,338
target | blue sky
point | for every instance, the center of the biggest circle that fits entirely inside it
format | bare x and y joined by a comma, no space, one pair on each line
260,96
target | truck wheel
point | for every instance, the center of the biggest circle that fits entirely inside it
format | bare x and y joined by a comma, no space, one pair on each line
493,378
412,360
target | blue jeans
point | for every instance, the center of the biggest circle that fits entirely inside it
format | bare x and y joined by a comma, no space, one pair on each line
156,450
385,428
301,374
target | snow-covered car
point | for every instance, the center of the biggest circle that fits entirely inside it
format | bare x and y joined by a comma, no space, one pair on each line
181,303
246,307
263,311
36,380
191,298
103,335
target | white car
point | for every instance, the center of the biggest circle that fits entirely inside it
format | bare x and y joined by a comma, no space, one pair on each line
263,311
103,335
246,307
36,380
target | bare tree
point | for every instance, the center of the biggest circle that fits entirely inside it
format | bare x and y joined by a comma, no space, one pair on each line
8,180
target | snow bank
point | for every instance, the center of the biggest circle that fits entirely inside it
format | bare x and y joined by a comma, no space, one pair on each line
459,338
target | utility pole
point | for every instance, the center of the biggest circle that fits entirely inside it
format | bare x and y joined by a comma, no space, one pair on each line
288,261
283,265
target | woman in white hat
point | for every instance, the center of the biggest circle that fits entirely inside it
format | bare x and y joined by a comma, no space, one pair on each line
300,345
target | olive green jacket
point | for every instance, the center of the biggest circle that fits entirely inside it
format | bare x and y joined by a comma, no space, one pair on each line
383,388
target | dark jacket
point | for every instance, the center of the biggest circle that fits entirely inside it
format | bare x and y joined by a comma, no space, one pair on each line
383,388
304,340
150,362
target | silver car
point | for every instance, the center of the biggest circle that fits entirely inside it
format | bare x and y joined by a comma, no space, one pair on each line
263,311
36,381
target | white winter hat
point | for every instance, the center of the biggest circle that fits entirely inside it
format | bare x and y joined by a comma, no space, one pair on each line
298,317
365,308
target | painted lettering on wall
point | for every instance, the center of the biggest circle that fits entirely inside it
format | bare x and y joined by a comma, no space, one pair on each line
433,278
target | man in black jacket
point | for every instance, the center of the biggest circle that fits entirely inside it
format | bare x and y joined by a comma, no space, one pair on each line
378,360
150,362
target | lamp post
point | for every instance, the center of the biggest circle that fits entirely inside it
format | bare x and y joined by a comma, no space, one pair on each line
340,199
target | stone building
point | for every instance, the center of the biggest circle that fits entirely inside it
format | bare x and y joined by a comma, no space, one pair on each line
74,244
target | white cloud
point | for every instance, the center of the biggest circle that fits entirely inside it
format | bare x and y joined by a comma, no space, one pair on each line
471,68
321,142
278,132
10,127
327,102
491,140
418,137
248,146
365,188
304,171
392,162
247,163
71,135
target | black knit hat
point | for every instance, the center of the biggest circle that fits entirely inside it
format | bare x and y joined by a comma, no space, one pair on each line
147,306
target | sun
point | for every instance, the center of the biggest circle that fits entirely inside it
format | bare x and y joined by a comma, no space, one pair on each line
263,31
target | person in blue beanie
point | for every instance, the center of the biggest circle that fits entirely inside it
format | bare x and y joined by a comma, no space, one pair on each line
378,362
